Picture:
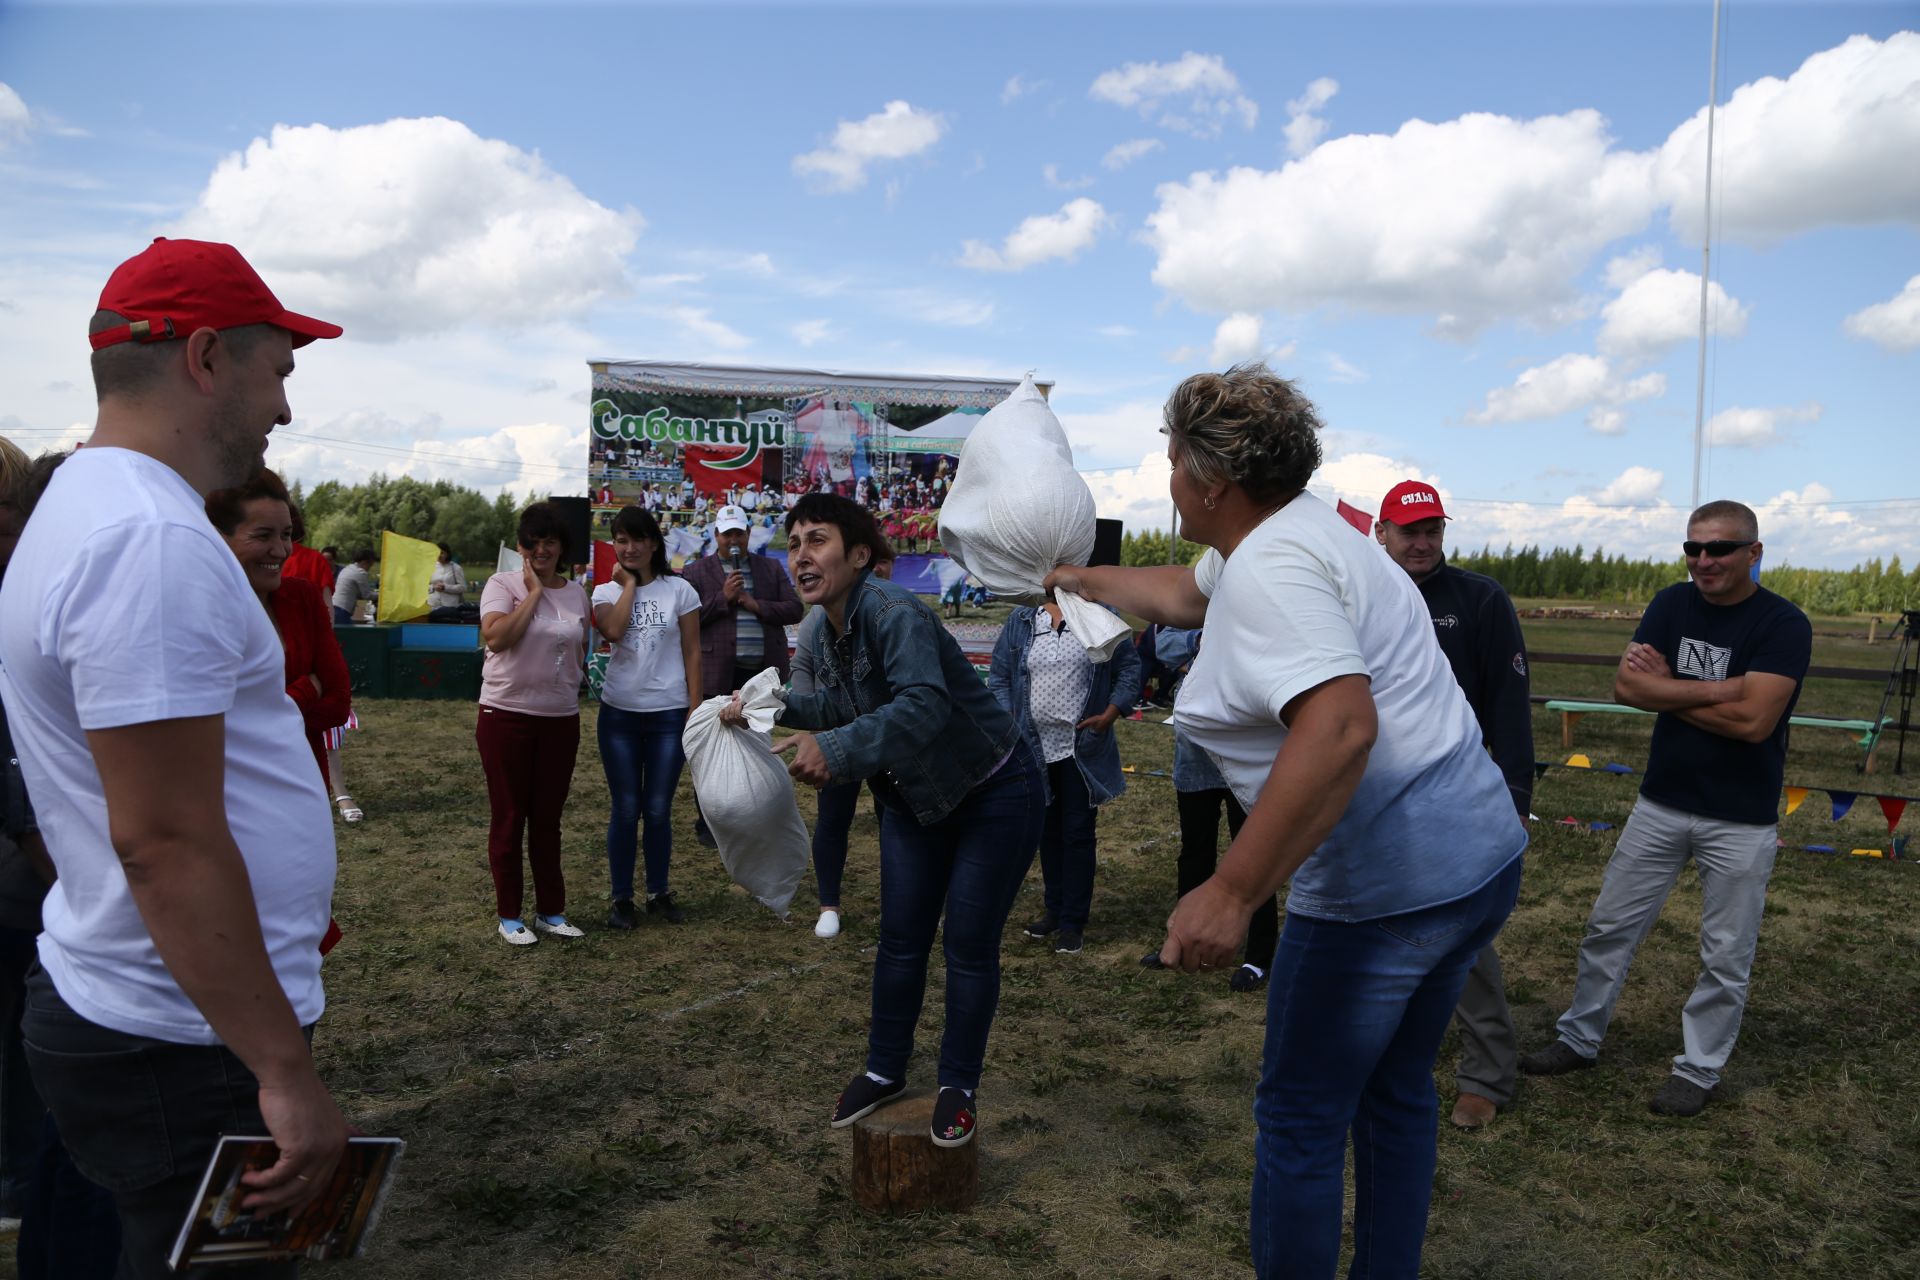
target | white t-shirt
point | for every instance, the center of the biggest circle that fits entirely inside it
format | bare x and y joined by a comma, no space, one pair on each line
647,672
123,606
1303,600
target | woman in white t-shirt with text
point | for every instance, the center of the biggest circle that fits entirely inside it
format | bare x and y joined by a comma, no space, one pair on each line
651,617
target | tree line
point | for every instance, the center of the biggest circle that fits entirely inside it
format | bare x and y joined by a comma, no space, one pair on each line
350,517
1561,574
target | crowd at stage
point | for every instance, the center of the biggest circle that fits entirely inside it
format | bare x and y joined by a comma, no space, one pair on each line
1354,706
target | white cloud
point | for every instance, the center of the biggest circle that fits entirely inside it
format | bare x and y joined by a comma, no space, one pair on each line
14,116
1305,127
1659,310
413,226
1018,87
1136,495
1053,179
1236,339
1122,154
1119,434
1573,381
1833,143
353,447
811,332
897,131
1894,324
1196,94
1743,428
1635,486
1041,238
1363,477
1115,331
1606,420
1628,267
1476,218
1340,370
934,307
700,326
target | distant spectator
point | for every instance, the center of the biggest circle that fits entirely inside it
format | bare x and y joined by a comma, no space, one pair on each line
447,589
354,584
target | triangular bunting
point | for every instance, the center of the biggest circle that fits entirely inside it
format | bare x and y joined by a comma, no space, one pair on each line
1354,516
1579,762
1795,797
1892,807
1842,801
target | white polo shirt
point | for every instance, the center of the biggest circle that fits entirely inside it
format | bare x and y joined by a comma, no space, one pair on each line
123,606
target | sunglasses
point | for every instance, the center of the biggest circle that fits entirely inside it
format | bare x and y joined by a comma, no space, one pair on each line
1695,550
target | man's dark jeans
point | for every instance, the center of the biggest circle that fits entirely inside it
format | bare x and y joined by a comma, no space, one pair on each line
970,863
140,1117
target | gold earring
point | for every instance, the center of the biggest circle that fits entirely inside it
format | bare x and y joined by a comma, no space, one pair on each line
1209,503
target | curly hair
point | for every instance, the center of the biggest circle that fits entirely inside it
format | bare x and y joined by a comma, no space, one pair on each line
228,507
1248,426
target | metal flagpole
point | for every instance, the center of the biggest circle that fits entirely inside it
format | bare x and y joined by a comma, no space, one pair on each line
1706,260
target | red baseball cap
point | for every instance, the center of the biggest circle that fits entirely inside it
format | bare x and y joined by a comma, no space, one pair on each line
1411,501
176,286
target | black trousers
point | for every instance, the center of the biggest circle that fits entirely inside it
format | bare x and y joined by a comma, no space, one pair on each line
1200,853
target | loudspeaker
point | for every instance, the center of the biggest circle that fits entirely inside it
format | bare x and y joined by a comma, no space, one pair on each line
1106,542
577,515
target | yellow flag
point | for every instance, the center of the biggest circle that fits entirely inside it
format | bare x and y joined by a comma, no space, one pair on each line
1579,762
406,566
1869,853
1795,795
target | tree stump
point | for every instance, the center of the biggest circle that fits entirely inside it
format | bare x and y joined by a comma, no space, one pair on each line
898,1169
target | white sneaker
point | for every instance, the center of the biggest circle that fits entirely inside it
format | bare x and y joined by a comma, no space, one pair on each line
517,934
561,930
829,926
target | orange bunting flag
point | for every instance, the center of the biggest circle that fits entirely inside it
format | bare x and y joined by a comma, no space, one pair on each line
1795,797
1892,807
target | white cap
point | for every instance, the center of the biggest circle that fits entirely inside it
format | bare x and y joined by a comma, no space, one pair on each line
729,519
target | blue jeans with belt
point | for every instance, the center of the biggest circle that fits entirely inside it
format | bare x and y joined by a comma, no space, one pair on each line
968,865
1355,1015
642,756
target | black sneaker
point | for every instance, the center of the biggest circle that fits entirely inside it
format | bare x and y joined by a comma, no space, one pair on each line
954,1118
704,834
622,915
1152,960
1042,927
1068,943
1679,1097
1247,978
1556,1059
662,904
862,1094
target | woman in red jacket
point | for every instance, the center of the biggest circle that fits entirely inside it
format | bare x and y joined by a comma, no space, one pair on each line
257,521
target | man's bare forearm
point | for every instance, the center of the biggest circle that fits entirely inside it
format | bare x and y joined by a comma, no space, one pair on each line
1668,693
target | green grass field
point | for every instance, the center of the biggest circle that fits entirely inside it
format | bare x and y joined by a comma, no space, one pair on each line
655,1104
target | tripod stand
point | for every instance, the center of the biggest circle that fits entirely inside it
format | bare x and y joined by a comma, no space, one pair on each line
1902,682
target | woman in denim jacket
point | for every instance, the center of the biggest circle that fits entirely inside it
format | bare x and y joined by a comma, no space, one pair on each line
1065,704
897,703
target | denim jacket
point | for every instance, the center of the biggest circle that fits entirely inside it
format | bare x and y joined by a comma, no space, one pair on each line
895,700
1115,682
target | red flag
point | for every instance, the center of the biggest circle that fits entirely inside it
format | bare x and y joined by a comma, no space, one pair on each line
715,468
1354,516
1892,807
603,562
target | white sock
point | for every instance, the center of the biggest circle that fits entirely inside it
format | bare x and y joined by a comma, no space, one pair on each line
1257,971
878,1079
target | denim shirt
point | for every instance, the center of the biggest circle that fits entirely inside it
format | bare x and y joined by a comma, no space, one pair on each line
1116,682
898,702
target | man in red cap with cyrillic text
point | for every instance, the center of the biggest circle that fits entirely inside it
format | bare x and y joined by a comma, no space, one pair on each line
179,971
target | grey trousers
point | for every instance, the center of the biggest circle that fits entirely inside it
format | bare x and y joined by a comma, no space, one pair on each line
1735,861
1489,1050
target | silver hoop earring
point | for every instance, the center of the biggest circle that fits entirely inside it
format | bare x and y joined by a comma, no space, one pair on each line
1209,504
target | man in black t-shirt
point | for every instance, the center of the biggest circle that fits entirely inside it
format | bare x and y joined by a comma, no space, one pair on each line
1722,660
1480,634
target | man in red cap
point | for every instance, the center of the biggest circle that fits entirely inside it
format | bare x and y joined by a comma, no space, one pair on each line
1480,634
179,969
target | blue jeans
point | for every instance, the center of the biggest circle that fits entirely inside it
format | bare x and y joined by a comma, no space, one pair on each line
970,863
641,752
1354,1020
1066,846
838,803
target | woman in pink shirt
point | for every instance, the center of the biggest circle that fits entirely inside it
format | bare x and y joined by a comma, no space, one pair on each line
535,624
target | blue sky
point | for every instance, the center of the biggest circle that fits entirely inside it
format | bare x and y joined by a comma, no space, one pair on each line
1471,231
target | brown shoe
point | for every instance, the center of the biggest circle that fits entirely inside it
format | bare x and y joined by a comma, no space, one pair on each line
1471,1111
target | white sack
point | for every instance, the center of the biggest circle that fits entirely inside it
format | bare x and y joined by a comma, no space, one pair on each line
746,795
1018,508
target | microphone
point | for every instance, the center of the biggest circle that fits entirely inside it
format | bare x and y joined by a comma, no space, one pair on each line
737,561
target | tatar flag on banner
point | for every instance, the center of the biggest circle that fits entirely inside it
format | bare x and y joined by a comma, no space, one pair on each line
1842,801
1892,807
715,468
1354,516
1796,796
406,567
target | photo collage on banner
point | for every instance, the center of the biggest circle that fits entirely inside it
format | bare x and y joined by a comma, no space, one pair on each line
685,440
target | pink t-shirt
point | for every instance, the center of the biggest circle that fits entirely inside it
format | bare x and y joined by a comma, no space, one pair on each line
540,676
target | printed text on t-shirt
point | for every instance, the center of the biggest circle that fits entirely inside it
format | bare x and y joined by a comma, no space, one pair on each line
1703,661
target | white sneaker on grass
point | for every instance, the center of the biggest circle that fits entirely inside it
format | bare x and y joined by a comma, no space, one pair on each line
558,927
517,934
829,926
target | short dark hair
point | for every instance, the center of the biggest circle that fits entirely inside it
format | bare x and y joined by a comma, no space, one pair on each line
1725,509
228,507
855,522
445,550
364,553
1248,426
543,520
638,522
330,551
131,368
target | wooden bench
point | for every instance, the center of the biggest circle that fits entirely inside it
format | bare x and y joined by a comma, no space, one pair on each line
1571,711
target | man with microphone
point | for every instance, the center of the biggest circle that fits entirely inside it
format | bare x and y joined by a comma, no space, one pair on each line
746,605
